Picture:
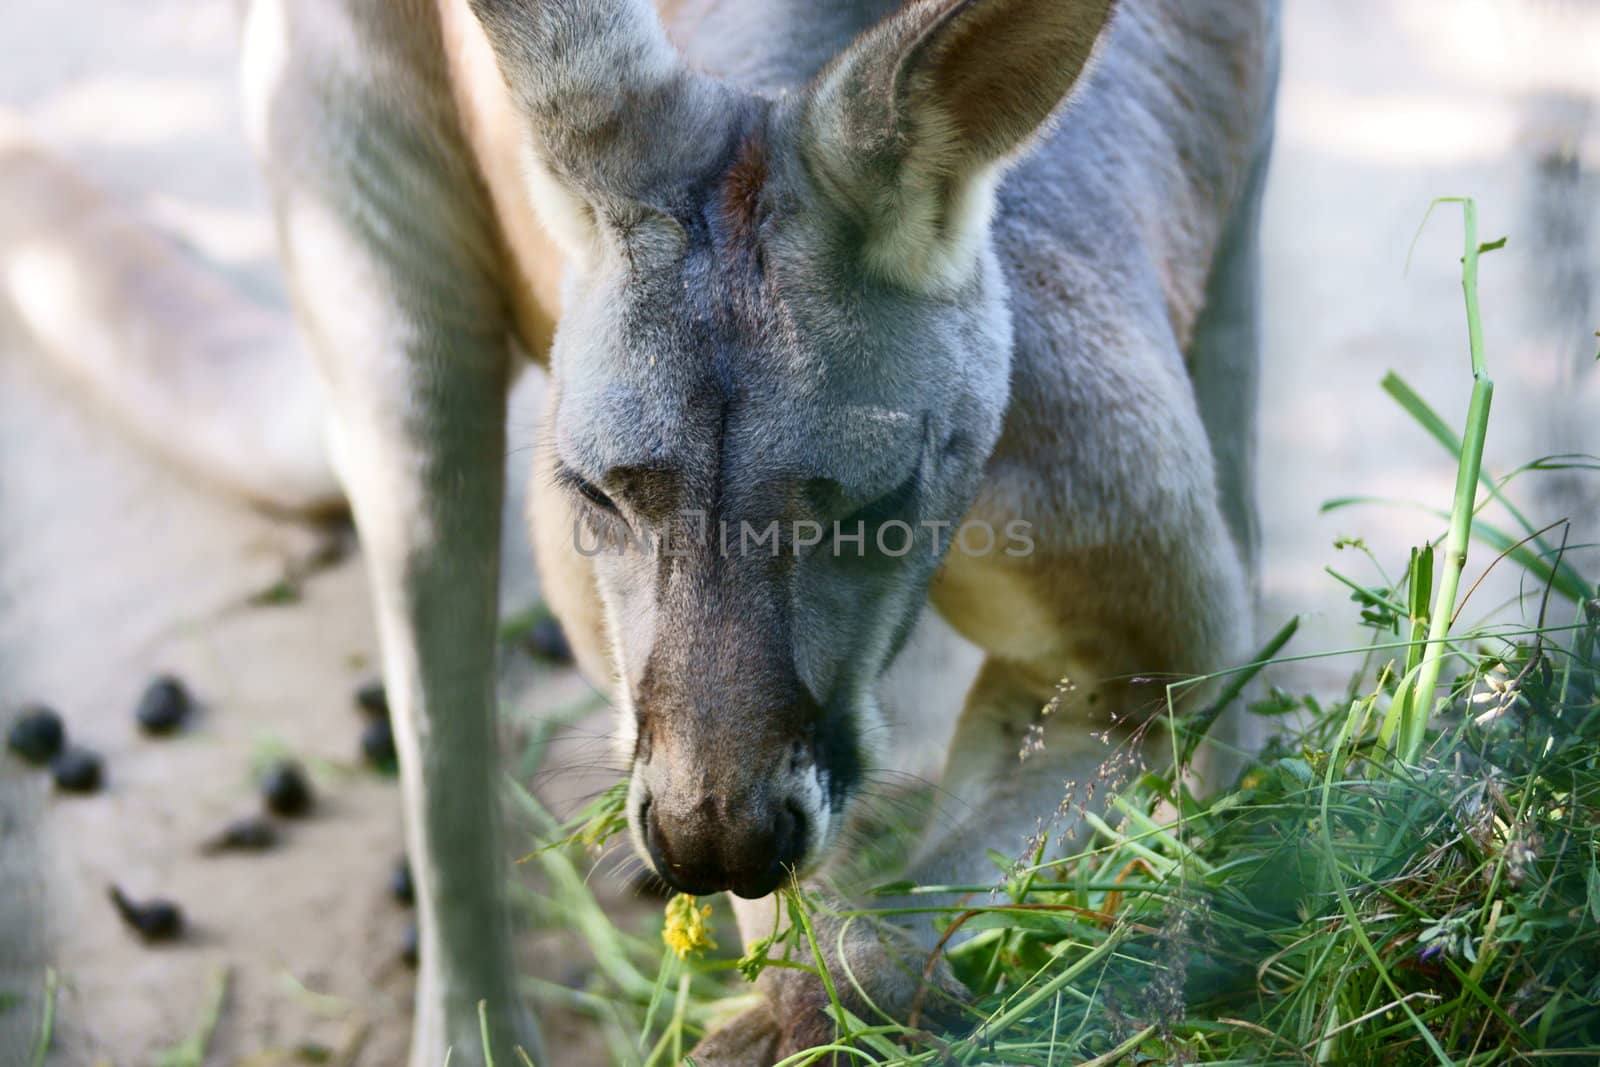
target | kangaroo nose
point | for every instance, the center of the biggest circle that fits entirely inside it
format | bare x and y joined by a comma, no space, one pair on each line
747,846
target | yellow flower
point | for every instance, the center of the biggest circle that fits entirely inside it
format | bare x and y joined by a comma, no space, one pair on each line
687,929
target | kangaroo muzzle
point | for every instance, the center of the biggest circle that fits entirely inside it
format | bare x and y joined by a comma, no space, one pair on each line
733,798
703,840
733,754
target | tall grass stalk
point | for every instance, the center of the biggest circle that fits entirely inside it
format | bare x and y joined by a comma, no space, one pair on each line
47,1022
1417,699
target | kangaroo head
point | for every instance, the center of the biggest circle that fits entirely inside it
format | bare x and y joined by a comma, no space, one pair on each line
782,364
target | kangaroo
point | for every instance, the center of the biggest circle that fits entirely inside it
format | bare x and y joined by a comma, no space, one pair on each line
850,279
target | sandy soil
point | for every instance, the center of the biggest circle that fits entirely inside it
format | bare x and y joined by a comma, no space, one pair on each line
113,568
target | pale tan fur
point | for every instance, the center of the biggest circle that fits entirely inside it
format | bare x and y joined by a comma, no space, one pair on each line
496,136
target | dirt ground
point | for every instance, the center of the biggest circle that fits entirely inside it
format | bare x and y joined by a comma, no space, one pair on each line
113,568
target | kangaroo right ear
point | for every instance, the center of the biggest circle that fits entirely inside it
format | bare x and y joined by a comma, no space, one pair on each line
907,130
617,121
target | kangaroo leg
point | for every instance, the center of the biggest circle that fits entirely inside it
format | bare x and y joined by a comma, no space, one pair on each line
1044,736
1021,750
418,433
393,264
209,380
1026,758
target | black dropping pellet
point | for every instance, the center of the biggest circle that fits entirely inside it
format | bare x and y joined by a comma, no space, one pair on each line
285,789
372,698
164,706
37,734
153,920
548,641
377,745
77,770
253,833
400,884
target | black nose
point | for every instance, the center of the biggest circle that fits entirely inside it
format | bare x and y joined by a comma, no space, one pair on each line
748,846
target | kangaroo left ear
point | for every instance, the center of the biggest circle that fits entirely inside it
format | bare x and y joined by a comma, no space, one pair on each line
617,122
909,128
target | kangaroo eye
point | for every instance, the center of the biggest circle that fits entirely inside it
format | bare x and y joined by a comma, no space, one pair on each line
585,488
593,495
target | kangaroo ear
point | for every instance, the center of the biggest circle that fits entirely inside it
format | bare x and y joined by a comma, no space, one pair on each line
909,128
618,124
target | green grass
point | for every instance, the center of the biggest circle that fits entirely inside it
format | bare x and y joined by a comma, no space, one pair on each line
1409,873
47,1019
191,1051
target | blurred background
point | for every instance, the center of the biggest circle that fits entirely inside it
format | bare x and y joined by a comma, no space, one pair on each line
113,567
